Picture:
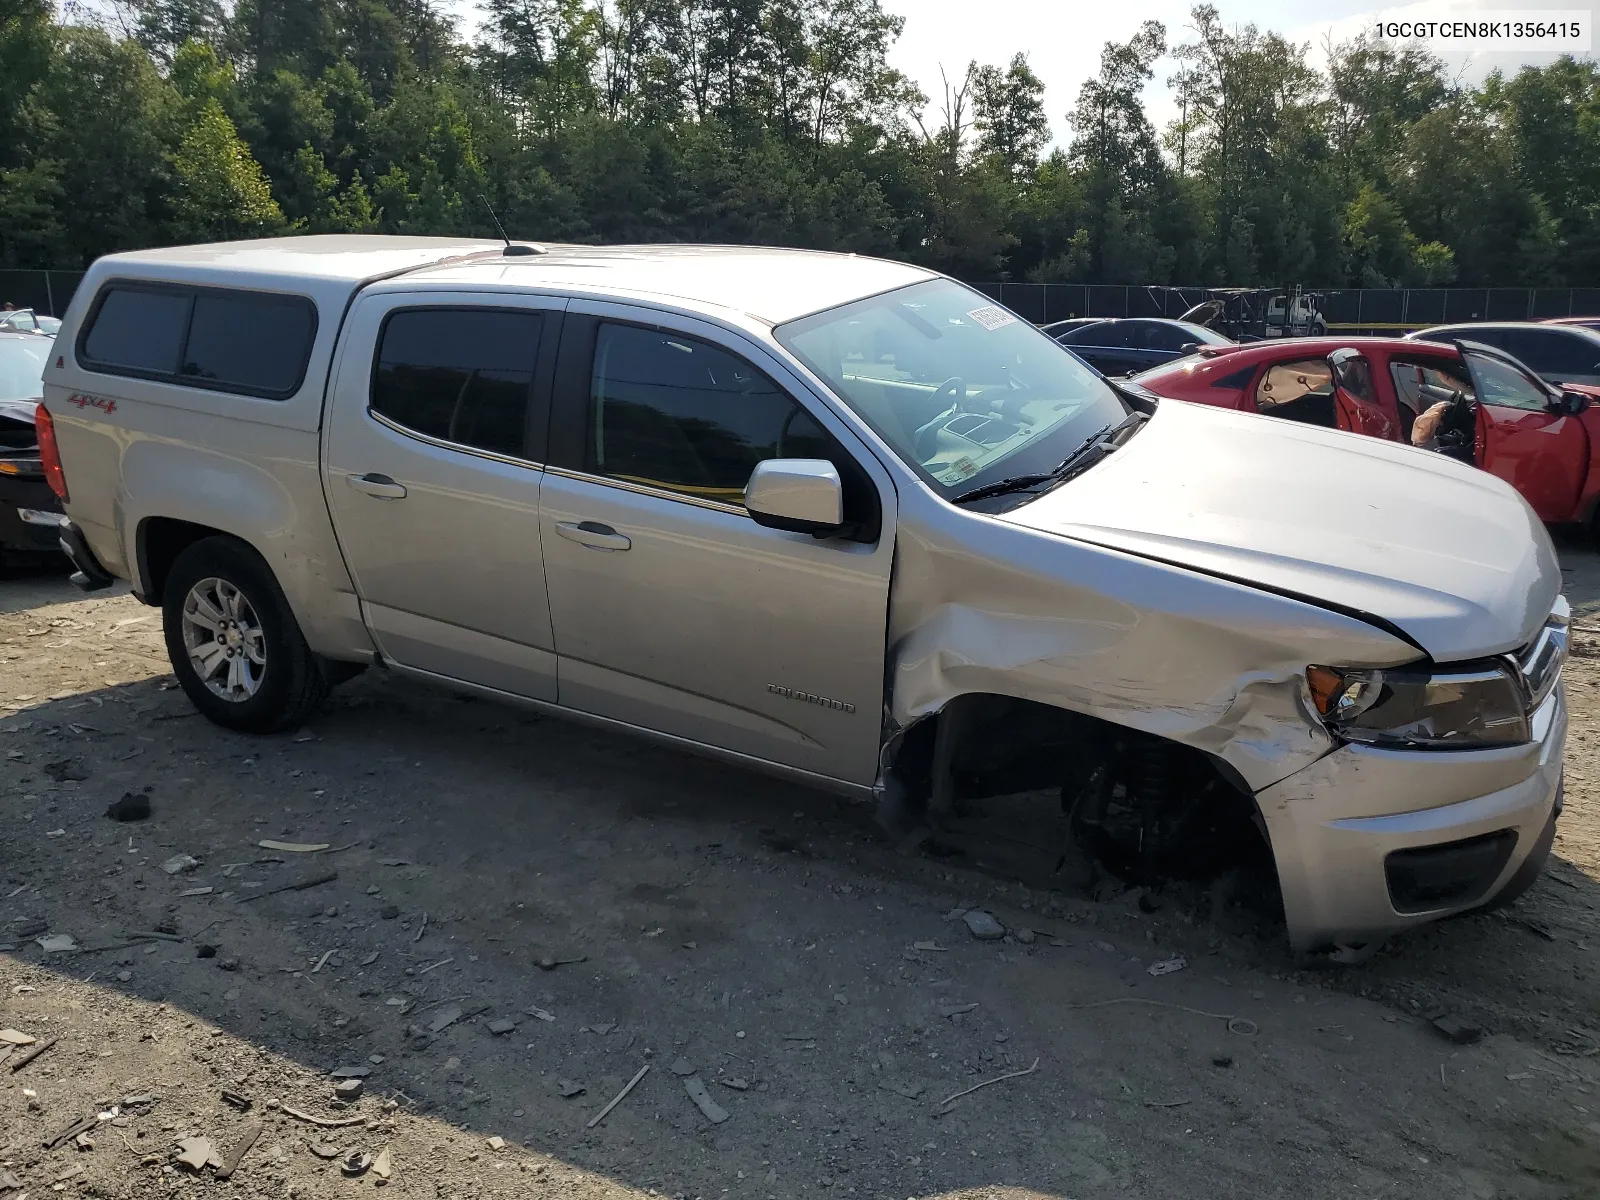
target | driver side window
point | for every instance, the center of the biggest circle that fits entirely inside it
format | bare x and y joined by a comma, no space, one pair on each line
1501,383
677,413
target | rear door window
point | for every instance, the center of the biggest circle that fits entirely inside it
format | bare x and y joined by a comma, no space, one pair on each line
219,339
463,376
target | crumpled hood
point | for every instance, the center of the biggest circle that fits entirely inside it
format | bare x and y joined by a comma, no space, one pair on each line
1449,555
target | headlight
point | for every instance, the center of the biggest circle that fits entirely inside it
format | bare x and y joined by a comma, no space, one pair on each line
1421,709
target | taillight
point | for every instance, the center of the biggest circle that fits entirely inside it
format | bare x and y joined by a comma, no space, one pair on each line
45,430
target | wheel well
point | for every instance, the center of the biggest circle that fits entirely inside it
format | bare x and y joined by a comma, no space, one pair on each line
159,542
1147,804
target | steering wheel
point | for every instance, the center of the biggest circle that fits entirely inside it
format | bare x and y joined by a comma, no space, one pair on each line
956,389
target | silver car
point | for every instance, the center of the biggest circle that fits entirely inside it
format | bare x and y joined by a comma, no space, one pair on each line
836,518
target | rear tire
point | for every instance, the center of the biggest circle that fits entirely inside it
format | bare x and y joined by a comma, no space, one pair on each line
233,642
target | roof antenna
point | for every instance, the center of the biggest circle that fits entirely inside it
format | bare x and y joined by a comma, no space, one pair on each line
512,250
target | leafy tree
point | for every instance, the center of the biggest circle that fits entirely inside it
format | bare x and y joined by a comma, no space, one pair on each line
219,191
1009,111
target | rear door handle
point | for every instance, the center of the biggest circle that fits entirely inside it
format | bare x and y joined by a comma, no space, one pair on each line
377,485
593,535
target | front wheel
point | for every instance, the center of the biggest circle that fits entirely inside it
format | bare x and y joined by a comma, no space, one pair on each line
234,644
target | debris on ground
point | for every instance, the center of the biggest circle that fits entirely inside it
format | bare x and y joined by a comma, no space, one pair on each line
568,1089
682,1067
180,864
928,946
352,1072
348,1089
983,926
1168,965
497,1142
944,1105
713,1111
58,943
737,1084
382,1166
539,1013
64,770
951,1011
322,1122
134,806
238,1099
618,1098
324,1150
356,1164
445,1017
230,1164
1025,937
546,963
195,1153
1457,1032
294,847
298,885
501,1025
15,1037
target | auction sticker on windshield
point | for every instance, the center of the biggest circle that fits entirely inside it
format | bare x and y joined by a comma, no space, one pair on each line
992,316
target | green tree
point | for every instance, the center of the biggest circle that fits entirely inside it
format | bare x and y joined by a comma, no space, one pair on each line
1008,107
219,191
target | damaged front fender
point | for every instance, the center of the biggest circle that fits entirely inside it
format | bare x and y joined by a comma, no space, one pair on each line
1203,662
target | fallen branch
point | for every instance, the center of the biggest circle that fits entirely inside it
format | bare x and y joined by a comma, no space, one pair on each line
33,1053
156,934
299,885
323,1122
944,1105
1243,1026
618,1098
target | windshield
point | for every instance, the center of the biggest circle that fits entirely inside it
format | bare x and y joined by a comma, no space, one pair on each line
962,389
22,368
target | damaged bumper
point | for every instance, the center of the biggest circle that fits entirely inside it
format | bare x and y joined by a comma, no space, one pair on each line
1369,842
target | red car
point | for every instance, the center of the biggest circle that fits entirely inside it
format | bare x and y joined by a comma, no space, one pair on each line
1544,442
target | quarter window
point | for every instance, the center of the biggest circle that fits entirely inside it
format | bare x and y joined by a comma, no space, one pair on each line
220,339
138,331
459,375
677,413
1284,383
249,341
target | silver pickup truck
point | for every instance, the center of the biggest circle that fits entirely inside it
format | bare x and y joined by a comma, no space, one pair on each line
838,518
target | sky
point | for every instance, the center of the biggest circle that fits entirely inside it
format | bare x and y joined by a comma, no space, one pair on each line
1062,38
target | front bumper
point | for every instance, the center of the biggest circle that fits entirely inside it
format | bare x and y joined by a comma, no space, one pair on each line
1369,842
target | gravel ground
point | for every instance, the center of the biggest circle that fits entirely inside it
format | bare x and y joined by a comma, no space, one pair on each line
744,939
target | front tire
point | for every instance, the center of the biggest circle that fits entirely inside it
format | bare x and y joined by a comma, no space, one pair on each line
233,642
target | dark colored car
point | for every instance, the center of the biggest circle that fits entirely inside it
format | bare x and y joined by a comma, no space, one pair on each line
1122,346
1584,322
30,514
1059,329
1558,353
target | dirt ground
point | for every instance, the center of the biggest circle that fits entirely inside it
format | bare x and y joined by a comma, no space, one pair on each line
732,934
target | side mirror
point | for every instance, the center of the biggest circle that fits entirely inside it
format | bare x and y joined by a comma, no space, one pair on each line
1570,403
1188,347
800,495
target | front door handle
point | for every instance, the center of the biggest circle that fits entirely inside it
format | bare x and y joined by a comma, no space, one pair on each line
377,485
593,535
